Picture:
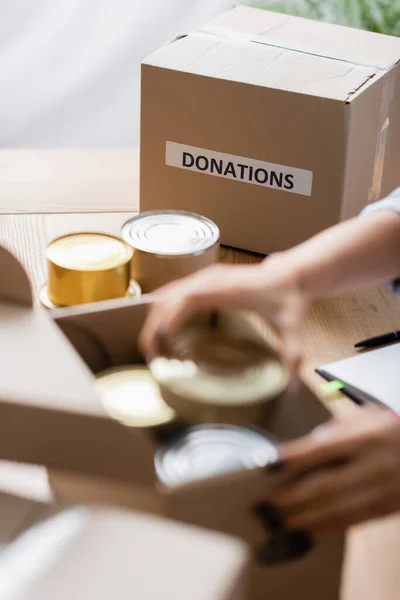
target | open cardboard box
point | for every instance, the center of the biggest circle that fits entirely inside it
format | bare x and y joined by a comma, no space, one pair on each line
50,415
84,553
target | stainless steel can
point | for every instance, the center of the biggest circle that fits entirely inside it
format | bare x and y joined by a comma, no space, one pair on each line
169,245
220,370
210,450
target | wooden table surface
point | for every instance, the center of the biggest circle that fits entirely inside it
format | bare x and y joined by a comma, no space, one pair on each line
330,331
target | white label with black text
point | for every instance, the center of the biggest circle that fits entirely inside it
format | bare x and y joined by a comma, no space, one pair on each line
239,168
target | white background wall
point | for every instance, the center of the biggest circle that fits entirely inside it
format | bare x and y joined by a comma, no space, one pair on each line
69,69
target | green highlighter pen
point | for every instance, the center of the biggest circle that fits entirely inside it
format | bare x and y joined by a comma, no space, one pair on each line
358,396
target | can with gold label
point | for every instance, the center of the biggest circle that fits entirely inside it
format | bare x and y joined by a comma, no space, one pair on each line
87,267
130,395
219,371
169,245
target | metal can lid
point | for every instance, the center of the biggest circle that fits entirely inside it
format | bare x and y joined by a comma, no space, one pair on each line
88,252
209,450
170,232
213,367
130,395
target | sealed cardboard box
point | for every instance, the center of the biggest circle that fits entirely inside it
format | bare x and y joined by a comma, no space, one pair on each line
84,553
274,127
51,415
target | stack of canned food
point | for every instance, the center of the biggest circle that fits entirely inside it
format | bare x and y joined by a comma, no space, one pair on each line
205,399
154,248
218,373
205,395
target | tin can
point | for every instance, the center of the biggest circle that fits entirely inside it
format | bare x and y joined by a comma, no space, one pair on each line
210,450
86,267
219,371
169,245
130,395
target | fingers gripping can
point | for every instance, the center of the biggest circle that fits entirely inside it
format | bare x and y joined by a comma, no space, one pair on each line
208,451
168,245
219,371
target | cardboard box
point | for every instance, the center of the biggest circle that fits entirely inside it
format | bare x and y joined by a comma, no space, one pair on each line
85,554
274,127
50,414
16,514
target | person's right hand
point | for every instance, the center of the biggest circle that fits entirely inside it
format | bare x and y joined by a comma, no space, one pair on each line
268,289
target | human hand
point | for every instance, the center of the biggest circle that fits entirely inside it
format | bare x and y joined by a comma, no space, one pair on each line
265,288
360,481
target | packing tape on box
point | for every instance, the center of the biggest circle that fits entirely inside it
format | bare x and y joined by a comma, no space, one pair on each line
389,84
256,37
226,34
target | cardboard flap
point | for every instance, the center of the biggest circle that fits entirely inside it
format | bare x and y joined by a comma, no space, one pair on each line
106,333
294,414
356,46
38,366
221,503
263,65
14,282
268,49
227,504
49,412
103,554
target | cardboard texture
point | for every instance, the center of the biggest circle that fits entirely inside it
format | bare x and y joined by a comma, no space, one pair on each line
84,553
49,414
275,127
16,514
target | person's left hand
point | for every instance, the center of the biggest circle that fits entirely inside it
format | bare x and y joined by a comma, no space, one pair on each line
361,483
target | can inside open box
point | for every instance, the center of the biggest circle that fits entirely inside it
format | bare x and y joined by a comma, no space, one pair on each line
219,370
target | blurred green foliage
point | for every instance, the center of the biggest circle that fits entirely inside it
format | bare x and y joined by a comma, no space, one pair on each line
381,16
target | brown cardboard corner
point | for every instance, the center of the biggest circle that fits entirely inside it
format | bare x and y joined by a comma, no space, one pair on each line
227,503
17,513
370,118
34,354
360,88
14,282
171,42
104,333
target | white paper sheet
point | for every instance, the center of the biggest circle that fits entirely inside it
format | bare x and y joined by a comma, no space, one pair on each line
376,372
